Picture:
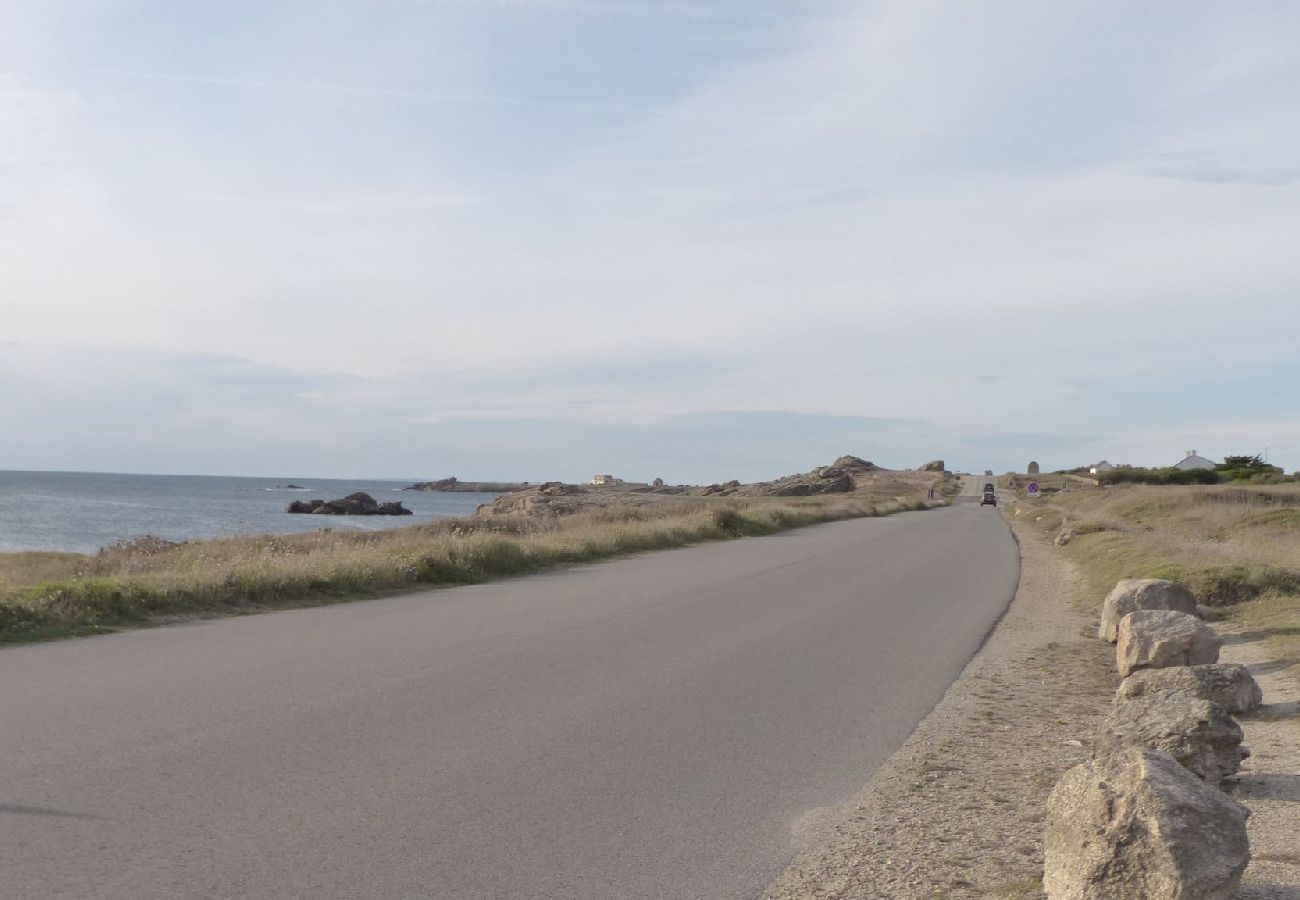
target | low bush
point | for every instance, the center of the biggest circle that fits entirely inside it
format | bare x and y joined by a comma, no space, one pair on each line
1135,475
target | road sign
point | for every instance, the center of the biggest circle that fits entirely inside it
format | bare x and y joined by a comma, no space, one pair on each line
1033,488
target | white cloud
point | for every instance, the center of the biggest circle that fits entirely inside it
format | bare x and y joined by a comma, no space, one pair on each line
853,220
36,126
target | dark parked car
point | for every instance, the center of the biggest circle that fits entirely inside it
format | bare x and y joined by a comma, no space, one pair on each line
988,487
990,499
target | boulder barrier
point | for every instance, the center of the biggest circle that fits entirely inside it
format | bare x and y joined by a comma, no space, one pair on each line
1158,638
1199,734
1134,823
1228,684
1144,817
1132,594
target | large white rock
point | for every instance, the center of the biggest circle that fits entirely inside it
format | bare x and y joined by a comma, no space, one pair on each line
1199,734
1135,825
1228,684
1158,638
1132,594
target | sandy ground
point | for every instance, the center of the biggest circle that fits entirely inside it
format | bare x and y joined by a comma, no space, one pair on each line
1270,780
957,811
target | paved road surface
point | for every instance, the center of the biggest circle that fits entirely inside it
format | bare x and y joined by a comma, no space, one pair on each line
644,728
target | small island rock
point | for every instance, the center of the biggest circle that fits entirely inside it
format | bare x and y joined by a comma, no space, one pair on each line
358,504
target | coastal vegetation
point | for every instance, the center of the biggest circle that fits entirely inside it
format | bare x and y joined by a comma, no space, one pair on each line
1244,468
47,595
1236,546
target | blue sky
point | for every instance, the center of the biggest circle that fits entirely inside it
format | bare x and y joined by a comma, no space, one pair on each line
544,238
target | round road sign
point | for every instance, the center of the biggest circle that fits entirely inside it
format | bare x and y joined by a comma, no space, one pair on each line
1033,488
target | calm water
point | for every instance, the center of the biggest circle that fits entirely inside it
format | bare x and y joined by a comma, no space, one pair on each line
85,511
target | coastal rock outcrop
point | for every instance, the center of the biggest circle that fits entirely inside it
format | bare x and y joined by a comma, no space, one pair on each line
555,499
1199,734
822,480
725,489
934,465
557,489
455,485
1137,824
358,504
840,477
1228,684
1157,638
1132,594
848,474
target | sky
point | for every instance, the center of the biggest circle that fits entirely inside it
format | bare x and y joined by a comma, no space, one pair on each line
535,239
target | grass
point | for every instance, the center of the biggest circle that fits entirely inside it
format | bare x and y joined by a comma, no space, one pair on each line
49,595
1237,548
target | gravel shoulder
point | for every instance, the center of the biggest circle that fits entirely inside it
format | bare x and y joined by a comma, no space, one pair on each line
957,811
1270,779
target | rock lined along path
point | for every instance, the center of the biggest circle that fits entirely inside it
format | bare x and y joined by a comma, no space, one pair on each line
659,726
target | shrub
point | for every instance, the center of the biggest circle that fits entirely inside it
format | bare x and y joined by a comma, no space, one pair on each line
1135,475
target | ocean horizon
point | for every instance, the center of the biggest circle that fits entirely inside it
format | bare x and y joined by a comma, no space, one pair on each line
84,511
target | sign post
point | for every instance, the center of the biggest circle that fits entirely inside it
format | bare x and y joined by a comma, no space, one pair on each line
1033,490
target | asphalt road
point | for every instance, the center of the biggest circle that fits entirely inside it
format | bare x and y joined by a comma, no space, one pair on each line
658,726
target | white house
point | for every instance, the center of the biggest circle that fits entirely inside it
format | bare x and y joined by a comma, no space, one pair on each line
1102,466
1192,461
605,479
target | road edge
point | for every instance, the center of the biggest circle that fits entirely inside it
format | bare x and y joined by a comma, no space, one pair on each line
955,810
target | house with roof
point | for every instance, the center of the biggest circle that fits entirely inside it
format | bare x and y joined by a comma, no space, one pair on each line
1102,466
1192,461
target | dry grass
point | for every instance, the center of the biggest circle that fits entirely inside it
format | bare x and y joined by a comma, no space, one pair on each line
45,595
1212,534
1238,548
20,570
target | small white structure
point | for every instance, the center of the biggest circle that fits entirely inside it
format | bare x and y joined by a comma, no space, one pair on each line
605,479
1102,466
1192,461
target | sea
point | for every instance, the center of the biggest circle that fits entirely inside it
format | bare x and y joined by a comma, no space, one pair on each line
84,511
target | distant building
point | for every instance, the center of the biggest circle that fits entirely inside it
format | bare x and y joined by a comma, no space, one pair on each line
1102,466
1033,468
658,482
605,479
1192,461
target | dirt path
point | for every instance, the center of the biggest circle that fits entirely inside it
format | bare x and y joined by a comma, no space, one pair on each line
1270,780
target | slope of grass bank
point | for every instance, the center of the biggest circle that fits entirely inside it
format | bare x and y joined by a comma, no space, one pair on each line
48,595
1237,548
